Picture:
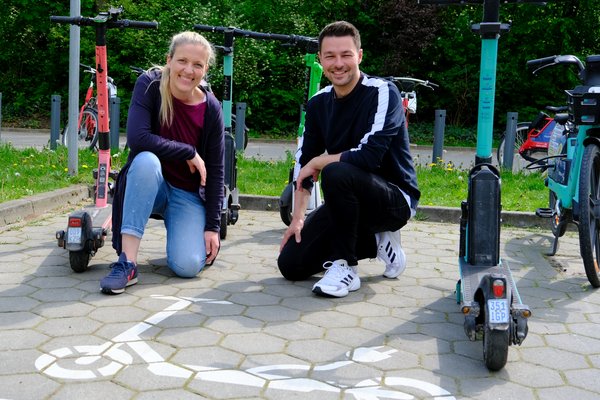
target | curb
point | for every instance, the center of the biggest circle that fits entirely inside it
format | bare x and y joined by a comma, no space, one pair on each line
34,206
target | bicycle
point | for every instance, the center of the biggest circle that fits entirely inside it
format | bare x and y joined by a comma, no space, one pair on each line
408,92
88,114
531,139
574,174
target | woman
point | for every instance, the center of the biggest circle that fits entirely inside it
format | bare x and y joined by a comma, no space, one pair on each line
175,170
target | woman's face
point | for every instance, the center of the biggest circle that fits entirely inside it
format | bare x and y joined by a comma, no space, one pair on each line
188,66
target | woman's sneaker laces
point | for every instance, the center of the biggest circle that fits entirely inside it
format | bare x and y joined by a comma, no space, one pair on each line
123,273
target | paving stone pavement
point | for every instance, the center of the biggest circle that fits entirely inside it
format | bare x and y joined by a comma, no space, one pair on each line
240,331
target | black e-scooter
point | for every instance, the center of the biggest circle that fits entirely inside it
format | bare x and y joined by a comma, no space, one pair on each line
486,290
231,206
88,228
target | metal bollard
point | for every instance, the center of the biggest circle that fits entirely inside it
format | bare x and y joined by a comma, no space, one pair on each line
439,126
240,125
114,113
509,140
54,120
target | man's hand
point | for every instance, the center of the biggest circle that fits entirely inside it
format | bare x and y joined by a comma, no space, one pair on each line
212,242
197,164
293,230
310,169
314,167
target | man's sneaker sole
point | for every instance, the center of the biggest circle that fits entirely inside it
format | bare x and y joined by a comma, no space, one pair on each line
341,292
119,291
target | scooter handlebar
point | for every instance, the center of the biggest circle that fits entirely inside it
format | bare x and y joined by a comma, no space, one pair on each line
289,39
110,23
448,2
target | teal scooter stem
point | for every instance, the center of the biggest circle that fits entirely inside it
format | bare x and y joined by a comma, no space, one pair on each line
490,30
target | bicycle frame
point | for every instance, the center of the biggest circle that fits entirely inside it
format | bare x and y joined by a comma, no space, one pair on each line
537,139
568,193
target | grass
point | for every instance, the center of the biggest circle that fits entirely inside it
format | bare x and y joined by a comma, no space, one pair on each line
441,184
29,171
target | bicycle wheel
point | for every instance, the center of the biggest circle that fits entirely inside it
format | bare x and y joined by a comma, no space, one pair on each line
520,137
88,129
589,218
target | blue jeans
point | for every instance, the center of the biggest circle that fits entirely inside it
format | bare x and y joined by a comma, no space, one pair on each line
148,193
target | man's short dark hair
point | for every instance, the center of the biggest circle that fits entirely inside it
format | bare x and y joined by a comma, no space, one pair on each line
339,29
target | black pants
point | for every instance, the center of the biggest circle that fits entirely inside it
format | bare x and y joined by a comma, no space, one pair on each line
357,205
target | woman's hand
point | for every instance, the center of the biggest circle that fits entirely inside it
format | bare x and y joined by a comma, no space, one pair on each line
213,243
197,164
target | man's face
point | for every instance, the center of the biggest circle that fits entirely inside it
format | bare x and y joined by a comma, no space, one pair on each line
340,60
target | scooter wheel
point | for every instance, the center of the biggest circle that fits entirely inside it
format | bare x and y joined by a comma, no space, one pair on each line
224,223
495,346
285,204
79,260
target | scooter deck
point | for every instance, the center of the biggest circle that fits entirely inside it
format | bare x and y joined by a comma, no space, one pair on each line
471,276
101,216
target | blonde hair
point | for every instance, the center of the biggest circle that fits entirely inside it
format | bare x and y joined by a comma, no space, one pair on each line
188,37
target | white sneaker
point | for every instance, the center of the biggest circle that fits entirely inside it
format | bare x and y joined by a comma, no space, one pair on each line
390,252
339,279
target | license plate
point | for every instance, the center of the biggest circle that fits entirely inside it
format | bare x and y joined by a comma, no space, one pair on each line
498,310
74,235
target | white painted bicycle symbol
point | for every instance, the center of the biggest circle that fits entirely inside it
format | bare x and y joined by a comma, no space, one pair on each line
112,357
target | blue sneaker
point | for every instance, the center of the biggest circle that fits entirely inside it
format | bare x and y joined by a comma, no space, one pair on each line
123,273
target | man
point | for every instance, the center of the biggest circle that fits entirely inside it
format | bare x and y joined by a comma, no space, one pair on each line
355,140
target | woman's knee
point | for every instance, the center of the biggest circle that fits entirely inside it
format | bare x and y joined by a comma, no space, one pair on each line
186,265
145,165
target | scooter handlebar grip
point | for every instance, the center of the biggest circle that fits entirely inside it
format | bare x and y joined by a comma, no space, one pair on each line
126,23
209,28
65,20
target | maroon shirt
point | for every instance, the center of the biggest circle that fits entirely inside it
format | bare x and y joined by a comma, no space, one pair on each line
187,127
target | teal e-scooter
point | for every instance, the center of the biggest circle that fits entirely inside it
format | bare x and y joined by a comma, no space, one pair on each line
486,290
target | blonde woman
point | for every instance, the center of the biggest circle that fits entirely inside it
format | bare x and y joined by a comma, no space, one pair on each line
175,170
